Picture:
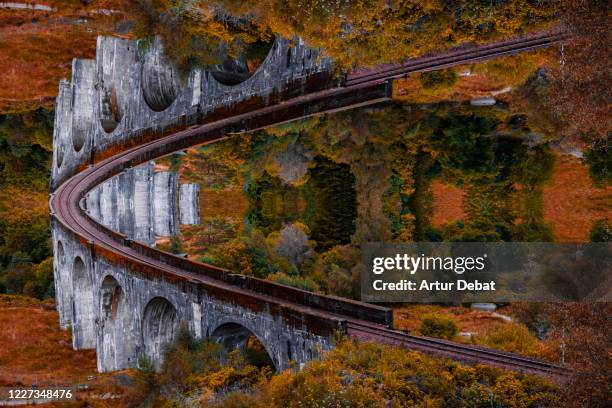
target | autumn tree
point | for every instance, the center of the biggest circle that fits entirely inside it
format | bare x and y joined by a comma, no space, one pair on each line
583,332
580,87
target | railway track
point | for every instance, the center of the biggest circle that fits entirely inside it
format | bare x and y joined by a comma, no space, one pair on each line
456,351
454,58
362,87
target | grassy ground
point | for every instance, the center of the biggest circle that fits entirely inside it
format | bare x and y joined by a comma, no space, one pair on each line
34,350
571,202
491,329
448,203
37,47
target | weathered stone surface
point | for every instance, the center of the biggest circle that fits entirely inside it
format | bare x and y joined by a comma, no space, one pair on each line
143,208
165,189
160,83
488,101
124,313
189,204
131,86
142,203
74,277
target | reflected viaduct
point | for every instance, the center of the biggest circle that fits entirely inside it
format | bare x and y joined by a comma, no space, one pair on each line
127,299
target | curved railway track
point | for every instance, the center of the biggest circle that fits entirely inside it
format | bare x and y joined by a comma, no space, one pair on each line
363,86
455,351
454,58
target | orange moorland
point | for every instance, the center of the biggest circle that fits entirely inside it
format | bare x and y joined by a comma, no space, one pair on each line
34,350
571,203
447,201
37,46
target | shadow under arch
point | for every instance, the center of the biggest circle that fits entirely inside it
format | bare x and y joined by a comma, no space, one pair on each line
159,78
234,336
61,255
159,327
112,298
110,109
59,155
83,306
114,324
79,133
234,71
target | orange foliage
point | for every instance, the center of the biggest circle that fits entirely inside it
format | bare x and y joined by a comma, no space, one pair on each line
34,350
23,205
448,203
225,203
479,80
370,375
37,47
491,329
408,317
583,330
571,202
581,82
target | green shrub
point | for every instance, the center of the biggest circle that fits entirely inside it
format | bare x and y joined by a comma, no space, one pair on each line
599,157
443,327
299,282
371,375
512,70
514,338
435,80
601,231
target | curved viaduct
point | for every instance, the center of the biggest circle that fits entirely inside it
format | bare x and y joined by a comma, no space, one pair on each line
126,299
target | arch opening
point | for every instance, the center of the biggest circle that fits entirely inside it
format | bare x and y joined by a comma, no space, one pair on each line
59,155
159,327
112,299
234,336
159,79
110,112
61,255
114,324
83,306
235,70
78,137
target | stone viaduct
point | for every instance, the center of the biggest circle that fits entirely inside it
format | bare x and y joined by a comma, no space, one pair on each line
108,105
127,107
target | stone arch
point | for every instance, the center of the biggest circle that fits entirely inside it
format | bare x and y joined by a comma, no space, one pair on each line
159,326
110,109
78,136
114,326
83,100
234,71
63,284
236,336
61,254
83,306
59,155
112,298
159,79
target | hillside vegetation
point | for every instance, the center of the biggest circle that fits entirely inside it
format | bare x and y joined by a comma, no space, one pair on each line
35,351
37,46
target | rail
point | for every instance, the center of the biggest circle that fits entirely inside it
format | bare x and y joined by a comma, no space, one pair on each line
321,313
